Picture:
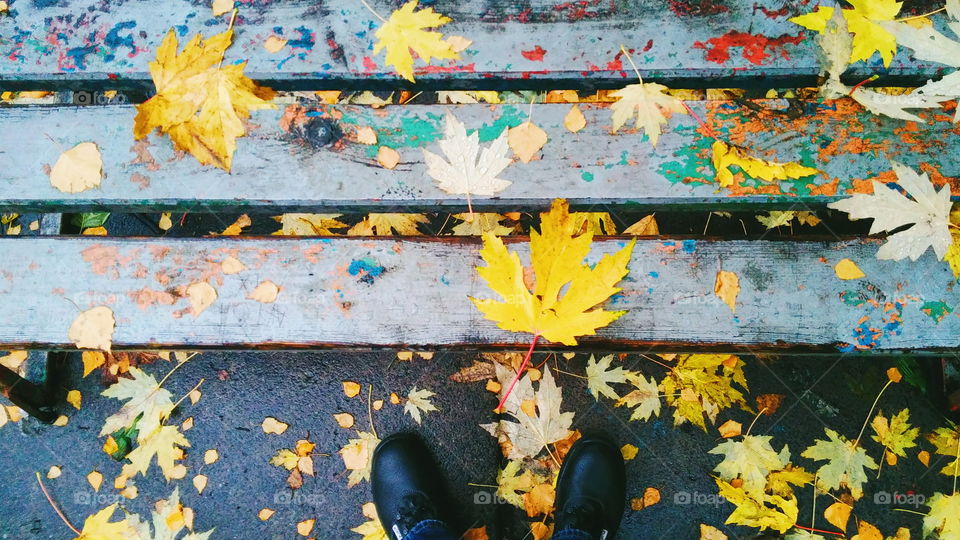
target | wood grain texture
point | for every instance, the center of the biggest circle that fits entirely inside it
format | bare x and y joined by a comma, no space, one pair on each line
359,292
98,44
307,159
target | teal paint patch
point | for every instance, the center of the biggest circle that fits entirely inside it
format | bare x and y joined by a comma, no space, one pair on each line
936,310
510,117
693,160
587,176
852,298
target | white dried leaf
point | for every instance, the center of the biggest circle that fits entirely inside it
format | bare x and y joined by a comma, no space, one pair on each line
465,173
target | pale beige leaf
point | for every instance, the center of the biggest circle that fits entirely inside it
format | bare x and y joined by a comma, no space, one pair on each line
387,157
274,44
78,169
201,296
574,121
266,292
232,266
526,140
93,329
221,6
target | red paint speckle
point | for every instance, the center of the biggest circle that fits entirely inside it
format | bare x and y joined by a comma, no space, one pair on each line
756,47
369,64
774,14
535,54
648,46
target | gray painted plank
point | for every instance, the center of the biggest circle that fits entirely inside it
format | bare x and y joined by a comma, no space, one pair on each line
278,169
388,292
92,43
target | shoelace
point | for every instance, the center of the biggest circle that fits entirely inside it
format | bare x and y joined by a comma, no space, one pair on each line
584,515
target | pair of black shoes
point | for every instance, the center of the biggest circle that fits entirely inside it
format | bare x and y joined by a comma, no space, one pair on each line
408,489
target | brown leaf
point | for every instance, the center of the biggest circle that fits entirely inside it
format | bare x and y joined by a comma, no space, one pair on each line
769,403
295,480
730,429
478,371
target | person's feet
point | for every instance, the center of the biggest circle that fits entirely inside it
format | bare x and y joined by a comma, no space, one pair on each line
591,488
406,483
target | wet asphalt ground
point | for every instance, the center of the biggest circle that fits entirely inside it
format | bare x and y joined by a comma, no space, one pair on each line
305,389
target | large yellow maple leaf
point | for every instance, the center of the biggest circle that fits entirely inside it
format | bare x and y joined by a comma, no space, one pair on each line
868,36
200,103
557,254
99,527
405,30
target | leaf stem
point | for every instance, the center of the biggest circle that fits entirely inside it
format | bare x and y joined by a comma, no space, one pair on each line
375,14
956,467
755,418
523,366
233,18
55,507
934,12
370,409
630,59
870,414
179,401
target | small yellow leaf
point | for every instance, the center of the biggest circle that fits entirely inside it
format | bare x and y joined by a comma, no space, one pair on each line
165,222
187,424
93,329
387,157
351,388
211,456
90,231
847,269
54,472
406,30
274,44
110,446
237,226
194,396
95,479
366,135
526,140
894,374
629,451
274,426
394,398
92,360
34,225
866,531
574,121
727,288
305,527
201,296
265,513
232,266
711,533
405,356
377,404
924,457
221,6
78,169
493,386
726,156
61,421
345,420
14,360
200,483
645,227
837,514
541,531
265,293
74,398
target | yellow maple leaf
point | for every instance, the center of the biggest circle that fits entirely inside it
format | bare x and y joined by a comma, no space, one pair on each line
371,529
200,103
702,385
557,253
99,527
947,442
727,155
388,224
944,516
765,512
405,30
895,434
953,252
868,36
308,224
162,443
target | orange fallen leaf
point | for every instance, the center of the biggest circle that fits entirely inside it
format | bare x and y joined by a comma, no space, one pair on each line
539,500
894,374
305,527
730,429
837,514
479,533
847,269
924,458
265,514
387,157
629,451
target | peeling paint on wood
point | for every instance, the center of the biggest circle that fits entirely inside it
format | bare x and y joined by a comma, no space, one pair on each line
387,292
307,158
101,44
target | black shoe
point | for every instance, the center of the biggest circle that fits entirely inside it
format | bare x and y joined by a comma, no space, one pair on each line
406,483
591,488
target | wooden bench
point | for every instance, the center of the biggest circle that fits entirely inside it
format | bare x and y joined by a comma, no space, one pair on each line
372,292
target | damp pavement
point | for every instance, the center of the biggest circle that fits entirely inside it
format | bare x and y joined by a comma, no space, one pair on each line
304,389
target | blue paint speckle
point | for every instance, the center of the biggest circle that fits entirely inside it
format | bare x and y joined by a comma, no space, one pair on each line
654,274
689,246
114,40
367,268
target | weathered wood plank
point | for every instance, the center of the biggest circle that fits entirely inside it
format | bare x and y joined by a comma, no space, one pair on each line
284,166
385,292
92,43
